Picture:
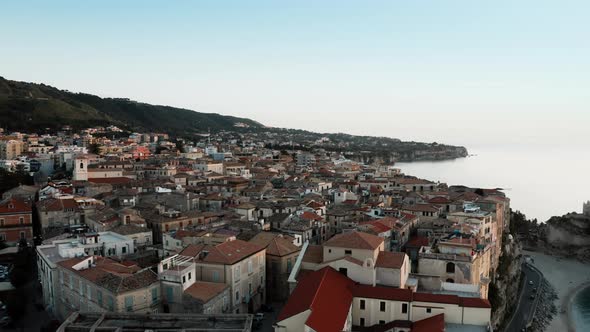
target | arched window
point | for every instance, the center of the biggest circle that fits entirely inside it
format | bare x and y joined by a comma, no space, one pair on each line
450,267
81,165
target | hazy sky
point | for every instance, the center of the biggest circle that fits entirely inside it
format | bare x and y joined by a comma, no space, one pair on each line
467,72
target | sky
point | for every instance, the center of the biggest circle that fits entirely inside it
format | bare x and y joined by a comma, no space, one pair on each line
473,73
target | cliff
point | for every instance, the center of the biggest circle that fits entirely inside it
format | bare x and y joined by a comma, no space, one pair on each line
503,292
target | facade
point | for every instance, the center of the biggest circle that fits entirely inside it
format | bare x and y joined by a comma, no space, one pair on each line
281,255
16,222
96,284
239,264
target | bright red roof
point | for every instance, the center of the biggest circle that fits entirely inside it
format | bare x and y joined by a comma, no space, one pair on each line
327,294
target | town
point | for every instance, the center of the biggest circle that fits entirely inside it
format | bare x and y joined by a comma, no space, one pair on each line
239,231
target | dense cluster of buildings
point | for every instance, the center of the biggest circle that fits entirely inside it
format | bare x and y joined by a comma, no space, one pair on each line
146,224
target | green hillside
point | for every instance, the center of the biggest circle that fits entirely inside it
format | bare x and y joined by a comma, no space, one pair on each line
26,106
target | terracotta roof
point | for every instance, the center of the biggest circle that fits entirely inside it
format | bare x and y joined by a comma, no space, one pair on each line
430,324
418,241
230,252
383,293
192,250
326,293
54,204
314,254
355,240
205,291
15,205
346,258
390,260
275,244
114,180
310,216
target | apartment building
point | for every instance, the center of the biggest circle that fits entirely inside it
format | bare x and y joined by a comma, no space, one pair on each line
240,265
16,221
97,284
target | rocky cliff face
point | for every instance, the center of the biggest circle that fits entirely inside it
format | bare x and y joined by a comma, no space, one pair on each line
568,235
504,289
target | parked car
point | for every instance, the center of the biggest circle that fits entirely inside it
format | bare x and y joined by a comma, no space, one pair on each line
259,317
5,321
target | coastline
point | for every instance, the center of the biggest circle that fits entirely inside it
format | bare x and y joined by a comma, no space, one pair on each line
568,277
569,305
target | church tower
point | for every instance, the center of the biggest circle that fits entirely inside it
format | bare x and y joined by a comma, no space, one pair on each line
80,168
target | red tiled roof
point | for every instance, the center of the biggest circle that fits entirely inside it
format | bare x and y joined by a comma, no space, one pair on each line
230,252
114,180
314,254
417,241
473,302
383,293
15,205
205,291
310,216
355,240
327,294
431,324
390,260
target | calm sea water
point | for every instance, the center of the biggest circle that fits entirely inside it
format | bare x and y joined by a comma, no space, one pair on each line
581,310
540,182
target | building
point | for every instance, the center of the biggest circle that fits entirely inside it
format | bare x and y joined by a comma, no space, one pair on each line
10,148
16,222
281,255
351,306
239,264
128,322
97,284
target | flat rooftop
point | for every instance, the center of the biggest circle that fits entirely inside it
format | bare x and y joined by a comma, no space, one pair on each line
124,322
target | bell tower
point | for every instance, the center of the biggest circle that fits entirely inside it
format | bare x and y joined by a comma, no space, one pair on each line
80,168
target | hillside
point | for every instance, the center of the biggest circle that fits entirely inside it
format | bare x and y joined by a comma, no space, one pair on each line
24,106
32,107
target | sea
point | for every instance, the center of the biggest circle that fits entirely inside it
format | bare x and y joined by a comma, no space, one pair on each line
540,182
581,310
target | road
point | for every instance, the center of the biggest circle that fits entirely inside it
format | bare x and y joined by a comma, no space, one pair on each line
525,306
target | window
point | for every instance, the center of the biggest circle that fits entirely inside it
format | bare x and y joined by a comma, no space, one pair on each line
381,322
428,310
81,288
343,270
124,250
450,267
362,305
237,296
129,303
404,308
169,293
382,306
81,165
89,292
99,297
215,276
348,252
2,222
362,322
183,279
110,304
22,235
189,276
21,220
289,265
154,295
250,266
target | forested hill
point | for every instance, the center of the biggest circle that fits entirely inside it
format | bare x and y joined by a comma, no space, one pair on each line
27,106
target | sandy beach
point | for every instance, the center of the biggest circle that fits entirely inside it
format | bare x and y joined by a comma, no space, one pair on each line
568,276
